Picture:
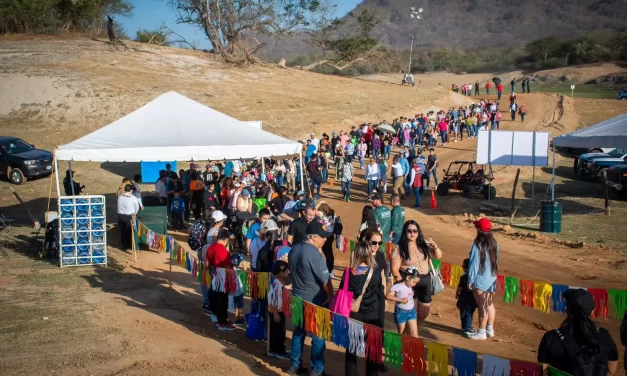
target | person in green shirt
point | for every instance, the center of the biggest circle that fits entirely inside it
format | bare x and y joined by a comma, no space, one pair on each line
398,219
383,215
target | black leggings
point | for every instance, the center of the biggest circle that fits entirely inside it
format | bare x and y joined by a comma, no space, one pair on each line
327,250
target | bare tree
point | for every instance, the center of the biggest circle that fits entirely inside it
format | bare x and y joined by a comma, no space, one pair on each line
344,43
232,26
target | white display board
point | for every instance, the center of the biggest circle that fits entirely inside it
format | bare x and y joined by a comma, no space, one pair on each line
513,148
256,124
82,230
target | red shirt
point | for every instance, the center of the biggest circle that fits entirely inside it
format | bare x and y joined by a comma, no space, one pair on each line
417,183
499,87
218,256
488,85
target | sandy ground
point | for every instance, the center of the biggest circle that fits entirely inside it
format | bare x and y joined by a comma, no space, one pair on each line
124,320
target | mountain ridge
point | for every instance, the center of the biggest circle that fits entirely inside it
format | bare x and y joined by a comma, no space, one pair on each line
478,23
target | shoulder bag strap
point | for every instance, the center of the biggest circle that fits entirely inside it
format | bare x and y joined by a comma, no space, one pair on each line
346,279
363,290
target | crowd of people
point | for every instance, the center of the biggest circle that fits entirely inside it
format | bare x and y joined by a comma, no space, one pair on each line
290,232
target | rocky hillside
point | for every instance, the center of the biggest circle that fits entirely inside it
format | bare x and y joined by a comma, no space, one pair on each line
475,23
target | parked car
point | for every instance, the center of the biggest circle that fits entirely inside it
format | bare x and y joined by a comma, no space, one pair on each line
622,94
595,165
617,178
20,160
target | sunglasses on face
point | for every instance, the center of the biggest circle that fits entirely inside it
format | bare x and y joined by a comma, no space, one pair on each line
412,231
372,242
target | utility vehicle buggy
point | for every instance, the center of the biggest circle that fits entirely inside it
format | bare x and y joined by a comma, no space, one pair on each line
460,176
408,79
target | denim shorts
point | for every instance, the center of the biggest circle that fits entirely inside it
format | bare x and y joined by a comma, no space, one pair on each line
401,316
236,301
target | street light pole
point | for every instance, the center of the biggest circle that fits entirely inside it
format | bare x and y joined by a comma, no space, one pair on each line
415,14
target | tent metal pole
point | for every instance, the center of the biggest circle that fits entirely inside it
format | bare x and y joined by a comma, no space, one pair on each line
302,182
533,161
553,176
56,175
69,163
490,162
263,165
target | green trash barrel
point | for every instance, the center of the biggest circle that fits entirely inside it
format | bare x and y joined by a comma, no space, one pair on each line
551,217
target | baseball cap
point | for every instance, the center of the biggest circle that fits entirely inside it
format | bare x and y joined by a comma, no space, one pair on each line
218,216
377,196
316,227
246,193
269,225
280,267
483,225
579,302
300,193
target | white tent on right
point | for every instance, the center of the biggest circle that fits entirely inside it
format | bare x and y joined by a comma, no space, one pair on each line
611,133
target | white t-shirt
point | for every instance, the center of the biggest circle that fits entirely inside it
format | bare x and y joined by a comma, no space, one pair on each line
398,170
211,234
403,291
315,142
255,246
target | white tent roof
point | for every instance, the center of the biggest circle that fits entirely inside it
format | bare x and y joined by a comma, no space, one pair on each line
611,133
173,127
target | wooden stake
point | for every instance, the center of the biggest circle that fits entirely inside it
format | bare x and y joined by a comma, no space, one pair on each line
133,236
607,196
514,193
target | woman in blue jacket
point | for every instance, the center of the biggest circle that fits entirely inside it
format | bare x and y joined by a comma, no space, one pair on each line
482,273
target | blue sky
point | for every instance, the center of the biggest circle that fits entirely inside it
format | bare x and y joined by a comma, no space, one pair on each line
150,14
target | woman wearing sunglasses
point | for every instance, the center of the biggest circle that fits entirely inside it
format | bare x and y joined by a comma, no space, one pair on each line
373,239
414,250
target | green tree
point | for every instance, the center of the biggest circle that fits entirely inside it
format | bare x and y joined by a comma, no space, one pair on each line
543,48
159,37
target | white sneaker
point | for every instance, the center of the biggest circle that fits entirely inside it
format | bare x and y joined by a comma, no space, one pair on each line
214,318
489,333
427,189
478,336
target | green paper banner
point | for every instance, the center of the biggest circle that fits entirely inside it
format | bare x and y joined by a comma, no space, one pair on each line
201,269
511,289
436,264
298,317
618,302
243,278
393,346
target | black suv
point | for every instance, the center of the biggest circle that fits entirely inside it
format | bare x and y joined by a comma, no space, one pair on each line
20,160
617,178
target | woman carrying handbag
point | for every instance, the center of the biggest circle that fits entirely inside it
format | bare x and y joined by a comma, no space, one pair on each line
414,250
365,284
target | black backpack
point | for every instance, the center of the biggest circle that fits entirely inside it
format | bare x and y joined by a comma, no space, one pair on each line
582,363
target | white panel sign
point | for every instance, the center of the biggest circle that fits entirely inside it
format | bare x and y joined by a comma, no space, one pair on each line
509,148
256,124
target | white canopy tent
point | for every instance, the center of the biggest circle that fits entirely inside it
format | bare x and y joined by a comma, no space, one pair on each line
611,133
173,127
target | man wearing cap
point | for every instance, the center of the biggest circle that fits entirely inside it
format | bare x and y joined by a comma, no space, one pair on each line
315,141
128,205
383,216
297,232
579,347
309,151
311,281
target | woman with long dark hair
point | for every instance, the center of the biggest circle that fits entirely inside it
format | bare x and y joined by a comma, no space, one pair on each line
414,250
482,271
579,346
368,221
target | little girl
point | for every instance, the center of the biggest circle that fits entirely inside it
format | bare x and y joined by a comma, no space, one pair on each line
403,294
